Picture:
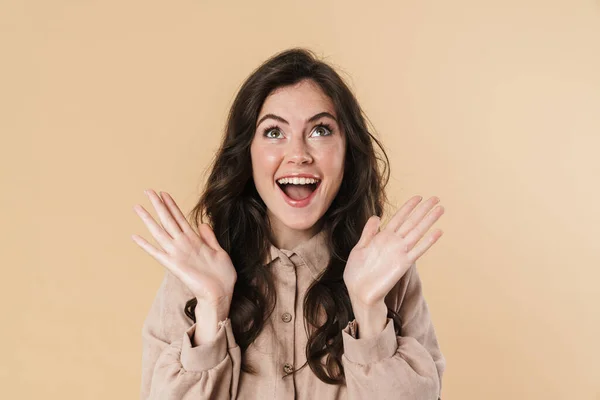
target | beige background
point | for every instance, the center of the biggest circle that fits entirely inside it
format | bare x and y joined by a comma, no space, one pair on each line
494,106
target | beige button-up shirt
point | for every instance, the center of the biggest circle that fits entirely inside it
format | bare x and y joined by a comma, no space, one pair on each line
382,367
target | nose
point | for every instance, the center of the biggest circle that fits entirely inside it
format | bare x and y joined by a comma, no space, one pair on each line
298,152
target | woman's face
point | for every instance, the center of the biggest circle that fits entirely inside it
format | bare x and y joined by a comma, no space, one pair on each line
297,137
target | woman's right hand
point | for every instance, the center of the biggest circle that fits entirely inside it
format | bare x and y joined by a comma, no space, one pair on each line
198,261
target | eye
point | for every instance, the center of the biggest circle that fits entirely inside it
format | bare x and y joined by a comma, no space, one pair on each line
272,132
323,130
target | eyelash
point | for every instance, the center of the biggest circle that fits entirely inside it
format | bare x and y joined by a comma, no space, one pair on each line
321,125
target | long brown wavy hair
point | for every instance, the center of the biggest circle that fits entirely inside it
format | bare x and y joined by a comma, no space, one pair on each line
238,215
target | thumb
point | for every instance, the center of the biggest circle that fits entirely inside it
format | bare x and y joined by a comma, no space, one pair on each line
207,234
369,231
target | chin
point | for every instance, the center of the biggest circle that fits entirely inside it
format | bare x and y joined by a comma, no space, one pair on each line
297,222
300,224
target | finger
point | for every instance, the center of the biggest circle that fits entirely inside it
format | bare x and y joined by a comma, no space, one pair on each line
369,231
158,255
176,213
417,216
155,229
403,213
419,231
164,215
424,245
209,237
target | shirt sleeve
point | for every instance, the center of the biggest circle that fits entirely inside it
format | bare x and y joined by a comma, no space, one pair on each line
171,367
388,366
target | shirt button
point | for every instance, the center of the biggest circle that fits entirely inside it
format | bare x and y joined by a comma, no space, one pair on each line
286,317
287,368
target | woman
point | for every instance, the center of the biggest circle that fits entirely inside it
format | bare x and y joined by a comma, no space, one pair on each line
292,269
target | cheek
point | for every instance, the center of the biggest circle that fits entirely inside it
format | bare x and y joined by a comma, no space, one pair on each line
265,161
331,159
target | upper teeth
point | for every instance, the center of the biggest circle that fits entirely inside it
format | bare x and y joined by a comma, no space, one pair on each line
297,181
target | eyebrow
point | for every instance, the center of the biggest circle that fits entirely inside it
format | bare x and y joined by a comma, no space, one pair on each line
311,119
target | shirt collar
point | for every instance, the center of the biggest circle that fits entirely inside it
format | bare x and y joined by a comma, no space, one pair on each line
314,252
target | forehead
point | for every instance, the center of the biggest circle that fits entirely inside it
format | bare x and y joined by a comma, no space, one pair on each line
303,99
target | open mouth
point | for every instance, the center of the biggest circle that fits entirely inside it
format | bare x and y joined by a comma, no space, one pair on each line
297,191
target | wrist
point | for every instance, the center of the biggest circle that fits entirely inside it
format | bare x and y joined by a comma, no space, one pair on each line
206,310
208,317
371,319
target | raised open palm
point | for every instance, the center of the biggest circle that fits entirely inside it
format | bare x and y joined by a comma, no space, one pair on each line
380,259
198,261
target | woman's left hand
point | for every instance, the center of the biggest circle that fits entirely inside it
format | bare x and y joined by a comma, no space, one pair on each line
381,258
